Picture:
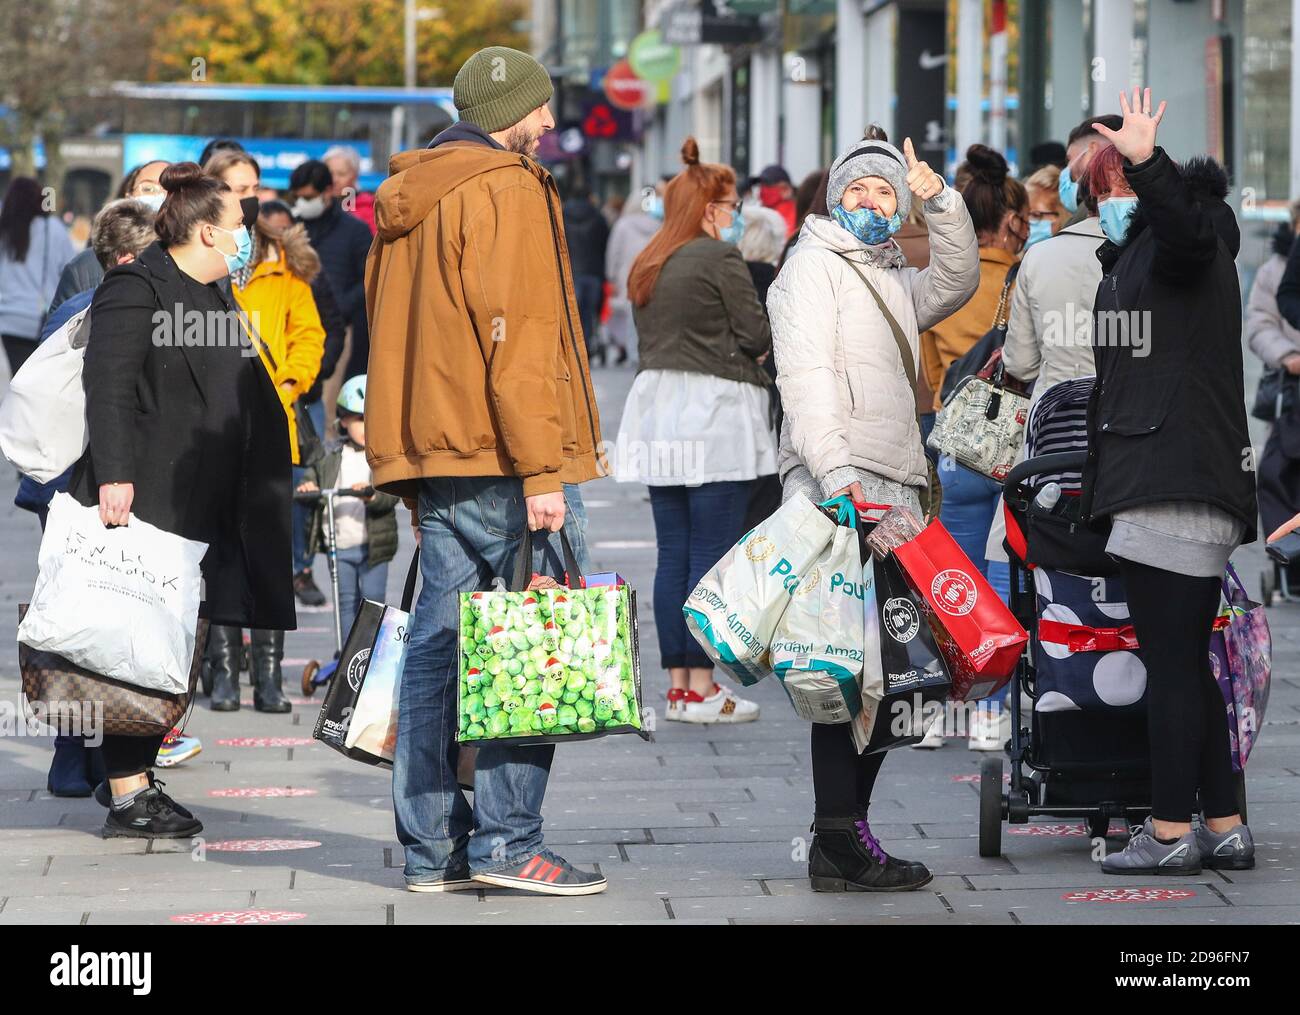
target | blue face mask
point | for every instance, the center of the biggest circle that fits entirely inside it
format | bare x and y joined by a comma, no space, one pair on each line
243,248
1039,229
735,231
654,207
1116,213
1068,190
867,224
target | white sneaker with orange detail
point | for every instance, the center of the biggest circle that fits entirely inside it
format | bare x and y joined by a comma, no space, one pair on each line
721,706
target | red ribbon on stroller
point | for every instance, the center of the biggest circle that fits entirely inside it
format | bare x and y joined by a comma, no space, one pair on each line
1078,638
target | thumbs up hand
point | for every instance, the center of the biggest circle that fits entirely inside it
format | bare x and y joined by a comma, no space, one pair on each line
922,181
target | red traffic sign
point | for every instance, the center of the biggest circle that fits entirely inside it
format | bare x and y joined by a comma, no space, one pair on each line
627,91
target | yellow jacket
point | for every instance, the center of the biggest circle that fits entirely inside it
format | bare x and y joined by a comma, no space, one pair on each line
952,338
279,303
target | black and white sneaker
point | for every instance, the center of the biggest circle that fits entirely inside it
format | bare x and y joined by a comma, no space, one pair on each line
545,874
151,815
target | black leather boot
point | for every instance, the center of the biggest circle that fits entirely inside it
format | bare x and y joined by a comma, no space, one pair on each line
846,857
222,658
267,649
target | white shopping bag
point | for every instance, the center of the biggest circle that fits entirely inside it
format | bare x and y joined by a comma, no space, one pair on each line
817,648
735,608
373,727
120,602
43,415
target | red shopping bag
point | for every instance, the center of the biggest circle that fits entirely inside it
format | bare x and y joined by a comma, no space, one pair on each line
979,637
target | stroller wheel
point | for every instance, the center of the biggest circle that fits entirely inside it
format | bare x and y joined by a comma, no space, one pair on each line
308,678
991,807
1267,586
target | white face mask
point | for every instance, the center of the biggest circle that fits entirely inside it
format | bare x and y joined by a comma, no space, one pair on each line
309,208
154,201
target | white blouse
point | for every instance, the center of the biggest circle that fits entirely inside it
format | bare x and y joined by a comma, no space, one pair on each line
682,428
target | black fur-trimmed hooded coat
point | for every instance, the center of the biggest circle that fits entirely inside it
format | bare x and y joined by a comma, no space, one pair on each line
1167,420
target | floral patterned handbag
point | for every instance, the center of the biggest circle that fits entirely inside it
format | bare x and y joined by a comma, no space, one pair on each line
1241,657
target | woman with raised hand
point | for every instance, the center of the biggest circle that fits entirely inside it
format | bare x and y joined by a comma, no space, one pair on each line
1169,469
846,313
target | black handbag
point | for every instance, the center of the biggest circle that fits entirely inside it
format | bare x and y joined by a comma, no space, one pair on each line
1277,394
974,359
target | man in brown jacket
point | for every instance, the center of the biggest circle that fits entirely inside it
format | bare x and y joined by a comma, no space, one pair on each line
481,415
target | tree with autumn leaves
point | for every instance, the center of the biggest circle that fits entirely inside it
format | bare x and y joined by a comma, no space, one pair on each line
56,53
341,42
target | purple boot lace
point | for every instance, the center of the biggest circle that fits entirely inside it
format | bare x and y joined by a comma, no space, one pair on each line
869,840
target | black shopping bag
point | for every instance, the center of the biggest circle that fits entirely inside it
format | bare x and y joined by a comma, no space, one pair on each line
903,695
345,686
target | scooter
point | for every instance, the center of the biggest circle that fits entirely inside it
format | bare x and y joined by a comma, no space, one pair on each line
316,674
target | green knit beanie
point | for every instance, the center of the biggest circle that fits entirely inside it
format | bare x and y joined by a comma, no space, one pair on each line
498,86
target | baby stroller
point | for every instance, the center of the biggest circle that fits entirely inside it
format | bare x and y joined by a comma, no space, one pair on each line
1082,751
314,674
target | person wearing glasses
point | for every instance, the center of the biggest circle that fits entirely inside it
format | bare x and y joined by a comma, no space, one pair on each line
84,271
695,426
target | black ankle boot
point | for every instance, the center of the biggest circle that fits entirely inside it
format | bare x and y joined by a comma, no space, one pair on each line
267,649
222,659
846,857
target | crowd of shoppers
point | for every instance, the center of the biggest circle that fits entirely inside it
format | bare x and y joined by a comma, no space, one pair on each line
787,342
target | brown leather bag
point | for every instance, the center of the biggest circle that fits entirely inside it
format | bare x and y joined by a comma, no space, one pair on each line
62,692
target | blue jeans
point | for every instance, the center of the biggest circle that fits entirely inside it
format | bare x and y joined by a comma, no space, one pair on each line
694,527
302,553
358,580
969,503
470,531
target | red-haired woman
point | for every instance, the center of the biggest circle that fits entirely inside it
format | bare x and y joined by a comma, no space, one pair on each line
695,426
1168,469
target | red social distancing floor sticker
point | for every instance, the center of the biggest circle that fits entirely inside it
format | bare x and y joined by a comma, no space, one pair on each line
262,791
240,916
975,777
1130,895
259,845
1051,830
266,742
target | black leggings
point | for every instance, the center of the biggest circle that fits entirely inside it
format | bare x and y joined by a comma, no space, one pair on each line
842,778
127,756
1172,615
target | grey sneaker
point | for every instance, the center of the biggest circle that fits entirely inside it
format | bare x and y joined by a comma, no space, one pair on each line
448,881
546,874
1233,850
1145,855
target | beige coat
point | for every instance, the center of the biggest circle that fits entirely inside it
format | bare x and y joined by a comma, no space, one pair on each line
846,395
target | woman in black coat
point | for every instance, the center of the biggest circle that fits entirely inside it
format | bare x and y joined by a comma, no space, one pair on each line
187,433
1170,469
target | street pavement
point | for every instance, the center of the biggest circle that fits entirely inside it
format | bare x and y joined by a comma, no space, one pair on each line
705,824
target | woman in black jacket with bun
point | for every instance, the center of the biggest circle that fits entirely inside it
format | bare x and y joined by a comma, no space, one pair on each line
188,435
1170,470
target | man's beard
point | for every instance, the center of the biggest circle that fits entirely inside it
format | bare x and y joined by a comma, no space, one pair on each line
521,140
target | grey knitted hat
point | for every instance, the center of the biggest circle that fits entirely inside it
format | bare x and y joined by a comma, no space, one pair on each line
498,86
870,158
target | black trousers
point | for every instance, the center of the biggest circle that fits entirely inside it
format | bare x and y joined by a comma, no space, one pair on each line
842,778
1172,614
17,350
127,756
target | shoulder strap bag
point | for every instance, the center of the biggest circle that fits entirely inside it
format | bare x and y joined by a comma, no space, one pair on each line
932,495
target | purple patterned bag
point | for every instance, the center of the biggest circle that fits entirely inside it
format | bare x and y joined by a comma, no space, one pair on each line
1241,658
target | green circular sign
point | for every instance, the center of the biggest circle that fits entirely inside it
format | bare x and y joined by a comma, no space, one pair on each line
653,59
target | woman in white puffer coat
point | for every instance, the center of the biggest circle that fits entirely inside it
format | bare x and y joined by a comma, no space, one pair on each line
850,415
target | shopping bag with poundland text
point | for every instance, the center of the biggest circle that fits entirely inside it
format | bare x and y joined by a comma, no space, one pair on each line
734,609
817,648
